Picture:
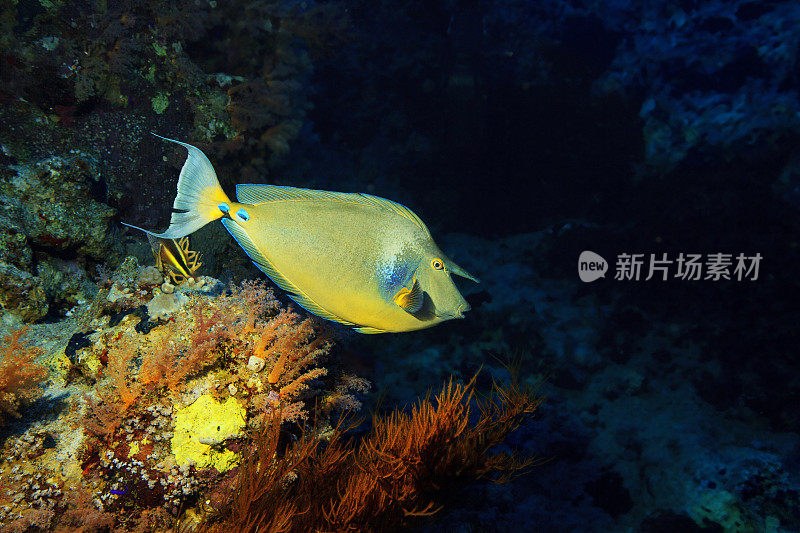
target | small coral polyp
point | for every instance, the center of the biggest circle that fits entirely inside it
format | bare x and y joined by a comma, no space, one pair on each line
137,467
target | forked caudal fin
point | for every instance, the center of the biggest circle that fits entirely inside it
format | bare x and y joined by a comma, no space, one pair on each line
200,197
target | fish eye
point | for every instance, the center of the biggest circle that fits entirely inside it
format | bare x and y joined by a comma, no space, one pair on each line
437,264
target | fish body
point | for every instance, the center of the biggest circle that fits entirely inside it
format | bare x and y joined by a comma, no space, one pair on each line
353,258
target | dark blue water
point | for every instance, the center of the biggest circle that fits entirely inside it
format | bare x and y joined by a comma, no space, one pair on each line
661,137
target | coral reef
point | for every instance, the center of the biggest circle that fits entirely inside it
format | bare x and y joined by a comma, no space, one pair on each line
160,419
54,215
23,292
541,128
139,424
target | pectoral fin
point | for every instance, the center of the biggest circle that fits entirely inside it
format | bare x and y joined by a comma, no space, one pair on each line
410,299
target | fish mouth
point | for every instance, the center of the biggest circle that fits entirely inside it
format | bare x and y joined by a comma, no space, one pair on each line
458,313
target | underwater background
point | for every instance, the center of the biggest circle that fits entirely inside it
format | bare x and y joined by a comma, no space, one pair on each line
662,136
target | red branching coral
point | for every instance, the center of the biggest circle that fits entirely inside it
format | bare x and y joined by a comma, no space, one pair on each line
119,389
407,468
20,374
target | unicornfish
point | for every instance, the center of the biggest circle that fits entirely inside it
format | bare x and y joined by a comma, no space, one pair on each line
352,258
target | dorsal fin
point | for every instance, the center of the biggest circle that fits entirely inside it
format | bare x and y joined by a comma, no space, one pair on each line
261,194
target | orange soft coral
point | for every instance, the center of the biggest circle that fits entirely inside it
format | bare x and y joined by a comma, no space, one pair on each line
20,374
290,348
211,334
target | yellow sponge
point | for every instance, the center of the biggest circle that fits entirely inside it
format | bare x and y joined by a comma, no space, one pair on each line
201,427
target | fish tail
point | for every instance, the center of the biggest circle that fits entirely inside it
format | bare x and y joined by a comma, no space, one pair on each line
200,198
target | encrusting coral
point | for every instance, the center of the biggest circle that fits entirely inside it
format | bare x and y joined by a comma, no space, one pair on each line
201,427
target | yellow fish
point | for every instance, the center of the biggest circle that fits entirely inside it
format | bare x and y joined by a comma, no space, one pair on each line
355,259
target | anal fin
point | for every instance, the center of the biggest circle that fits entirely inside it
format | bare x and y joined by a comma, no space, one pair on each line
369,330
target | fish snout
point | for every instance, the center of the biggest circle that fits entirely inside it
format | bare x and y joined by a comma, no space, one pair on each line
459,313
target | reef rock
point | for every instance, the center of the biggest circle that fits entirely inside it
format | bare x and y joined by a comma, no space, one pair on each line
22,293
